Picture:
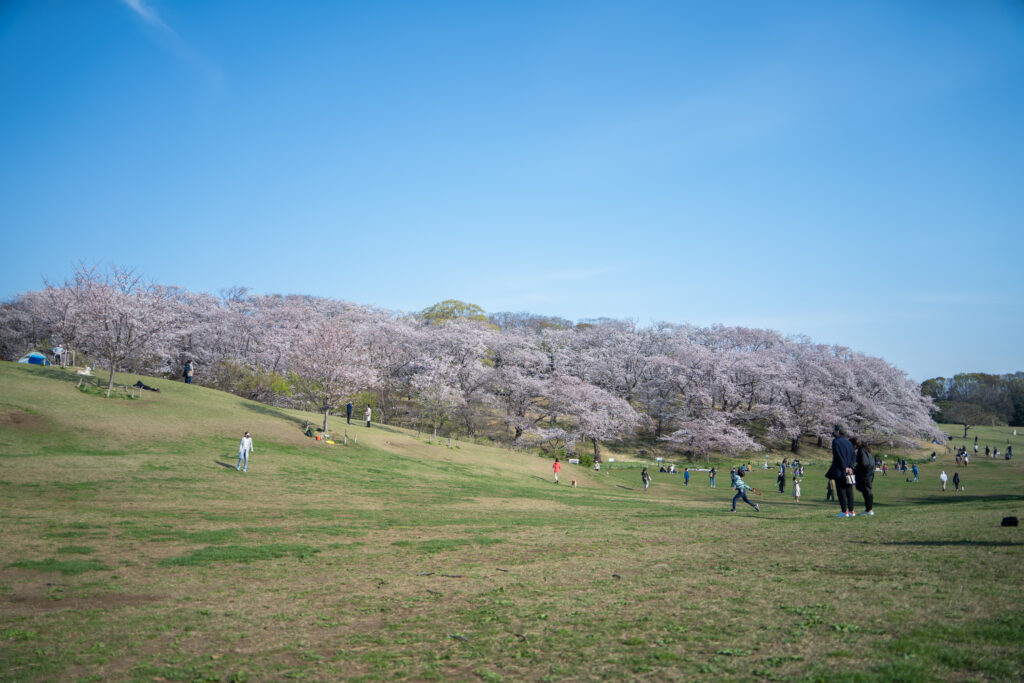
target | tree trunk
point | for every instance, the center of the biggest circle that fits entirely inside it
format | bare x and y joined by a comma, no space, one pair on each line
597,450
794,445
821,442
327,411
966,426
110,382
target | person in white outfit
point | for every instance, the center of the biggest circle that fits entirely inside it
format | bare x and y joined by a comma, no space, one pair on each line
244,449
943,478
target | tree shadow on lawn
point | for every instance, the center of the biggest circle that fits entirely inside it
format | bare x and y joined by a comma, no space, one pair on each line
274,412
947,543
953,498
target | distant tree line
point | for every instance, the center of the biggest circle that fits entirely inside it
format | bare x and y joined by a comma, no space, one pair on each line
523,379
976,398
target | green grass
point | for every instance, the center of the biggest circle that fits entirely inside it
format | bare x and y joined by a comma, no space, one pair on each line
133,551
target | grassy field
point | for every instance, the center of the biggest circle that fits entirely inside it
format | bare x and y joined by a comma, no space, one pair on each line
131,549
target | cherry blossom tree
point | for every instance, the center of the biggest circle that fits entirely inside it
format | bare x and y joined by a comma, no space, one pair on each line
120,318
329,364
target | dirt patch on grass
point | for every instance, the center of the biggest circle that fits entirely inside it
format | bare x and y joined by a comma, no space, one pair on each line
32,605
528,504
21,420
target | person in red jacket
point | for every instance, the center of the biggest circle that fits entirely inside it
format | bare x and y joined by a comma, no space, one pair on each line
557,467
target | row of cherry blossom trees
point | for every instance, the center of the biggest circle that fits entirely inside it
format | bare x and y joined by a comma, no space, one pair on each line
528,379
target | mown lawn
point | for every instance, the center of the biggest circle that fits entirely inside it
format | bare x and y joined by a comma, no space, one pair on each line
131,550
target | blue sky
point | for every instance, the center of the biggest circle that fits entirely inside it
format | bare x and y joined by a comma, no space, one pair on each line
852,171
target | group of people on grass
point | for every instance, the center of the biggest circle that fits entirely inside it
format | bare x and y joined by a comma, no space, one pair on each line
957,485
853,466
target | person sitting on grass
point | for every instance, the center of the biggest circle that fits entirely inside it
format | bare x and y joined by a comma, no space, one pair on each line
741,492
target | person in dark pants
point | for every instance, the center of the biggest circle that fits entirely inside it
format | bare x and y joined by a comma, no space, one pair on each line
348,412
844,458
830,492
865,473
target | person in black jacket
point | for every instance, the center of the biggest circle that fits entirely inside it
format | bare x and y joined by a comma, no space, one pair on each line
865,473
843,461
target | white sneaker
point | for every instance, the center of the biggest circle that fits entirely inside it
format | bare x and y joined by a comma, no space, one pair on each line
841,514
870,513
851,514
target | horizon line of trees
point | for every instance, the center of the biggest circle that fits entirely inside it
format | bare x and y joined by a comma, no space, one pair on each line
521,378
976,398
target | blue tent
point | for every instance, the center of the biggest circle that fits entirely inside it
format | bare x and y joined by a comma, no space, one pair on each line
35,358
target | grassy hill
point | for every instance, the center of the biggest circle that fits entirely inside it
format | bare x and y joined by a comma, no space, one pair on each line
132,550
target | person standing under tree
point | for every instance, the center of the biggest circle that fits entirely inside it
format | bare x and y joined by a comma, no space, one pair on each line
557,467
348,412
711,476
367,415
244,449
190,370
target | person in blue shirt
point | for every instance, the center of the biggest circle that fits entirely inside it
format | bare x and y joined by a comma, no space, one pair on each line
686,477
917,474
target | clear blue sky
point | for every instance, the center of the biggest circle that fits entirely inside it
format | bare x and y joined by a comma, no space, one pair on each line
853,171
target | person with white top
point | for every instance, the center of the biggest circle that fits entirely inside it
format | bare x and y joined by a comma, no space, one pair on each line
368,414
943,478
244,449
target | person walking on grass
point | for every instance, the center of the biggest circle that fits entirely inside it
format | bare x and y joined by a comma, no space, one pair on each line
864,471
244,449
916,472
367,415
711,476
645,477
943,478
557,467
686,477
741,492
956,482
830,491
796,488
844,459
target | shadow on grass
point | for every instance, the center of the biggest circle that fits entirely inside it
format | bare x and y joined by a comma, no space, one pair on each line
948,543
224,464
952,498
274,412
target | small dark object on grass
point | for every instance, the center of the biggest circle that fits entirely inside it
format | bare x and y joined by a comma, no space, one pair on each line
456,636
452,576
425,574
140,385
433,592
501,570
520,636
616,576
1009,521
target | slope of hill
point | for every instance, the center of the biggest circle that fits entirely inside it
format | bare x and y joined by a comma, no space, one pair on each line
131,549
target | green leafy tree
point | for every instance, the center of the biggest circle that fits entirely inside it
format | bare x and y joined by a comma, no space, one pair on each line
450,309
